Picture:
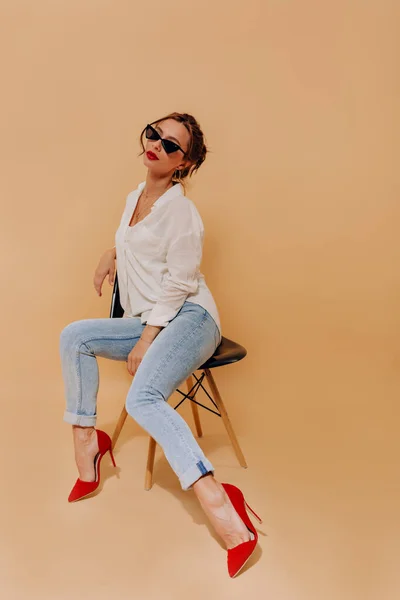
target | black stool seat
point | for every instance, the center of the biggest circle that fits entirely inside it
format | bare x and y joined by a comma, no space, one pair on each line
227,352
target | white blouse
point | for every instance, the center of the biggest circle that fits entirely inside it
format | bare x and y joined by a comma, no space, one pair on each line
158,259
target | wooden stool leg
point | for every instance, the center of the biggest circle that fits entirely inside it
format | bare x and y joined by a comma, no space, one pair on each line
148,482
225,418
195,408
118,427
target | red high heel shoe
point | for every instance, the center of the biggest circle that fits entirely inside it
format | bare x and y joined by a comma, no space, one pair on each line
81,488
239,555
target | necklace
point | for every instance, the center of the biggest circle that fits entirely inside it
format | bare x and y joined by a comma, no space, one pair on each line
142,209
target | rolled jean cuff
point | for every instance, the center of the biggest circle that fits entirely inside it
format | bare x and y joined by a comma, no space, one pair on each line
202,467
82,420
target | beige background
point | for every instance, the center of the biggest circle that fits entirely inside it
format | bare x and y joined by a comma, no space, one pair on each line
298,198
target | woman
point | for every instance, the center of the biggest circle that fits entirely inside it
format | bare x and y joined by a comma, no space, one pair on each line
170,328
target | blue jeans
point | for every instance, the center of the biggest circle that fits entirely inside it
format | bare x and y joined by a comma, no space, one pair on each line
188,340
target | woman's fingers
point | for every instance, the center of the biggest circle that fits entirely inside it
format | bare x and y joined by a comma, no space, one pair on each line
98,282
111,275
133,365
130,366
105,267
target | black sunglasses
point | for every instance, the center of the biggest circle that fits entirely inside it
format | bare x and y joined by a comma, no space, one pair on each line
168,145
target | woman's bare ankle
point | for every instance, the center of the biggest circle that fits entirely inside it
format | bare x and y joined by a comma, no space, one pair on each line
208,489
220,511
83,433
86,448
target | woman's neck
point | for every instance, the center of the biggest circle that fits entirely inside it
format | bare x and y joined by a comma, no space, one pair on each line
156,186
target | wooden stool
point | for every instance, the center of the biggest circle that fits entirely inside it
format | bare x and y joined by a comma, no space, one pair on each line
227,352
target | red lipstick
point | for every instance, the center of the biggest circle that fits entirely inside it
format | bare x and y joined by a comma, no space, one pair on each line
151,155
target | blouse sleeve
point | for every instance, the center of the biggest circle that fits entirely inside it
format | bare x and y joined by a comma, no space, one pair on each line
183,262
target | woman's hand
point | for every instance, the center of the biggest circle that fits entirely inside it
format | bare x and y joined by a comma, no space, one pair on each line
105,267
136,355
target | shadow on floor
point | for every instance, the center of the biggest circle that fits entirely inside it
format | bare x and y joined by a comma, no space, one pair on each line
165,478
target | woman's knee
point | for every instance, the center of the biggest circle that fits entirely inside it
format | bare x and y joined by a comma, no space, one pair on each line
141,399
74,334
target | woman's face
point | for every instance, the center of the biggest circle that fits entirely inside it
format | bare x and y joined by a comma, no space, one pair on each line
167,163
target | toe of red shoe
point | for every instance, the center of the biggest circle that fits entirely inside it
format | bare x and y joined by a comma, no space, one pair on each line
239,555
81,489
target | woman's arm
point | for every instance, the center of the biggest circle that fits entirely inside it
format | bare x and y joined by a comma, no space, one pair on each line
183,262
149,333
105,267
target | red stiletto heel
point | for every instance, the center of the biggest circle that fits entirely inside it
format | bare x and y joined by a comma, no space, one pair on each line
113,461
252,511
81,488
239,555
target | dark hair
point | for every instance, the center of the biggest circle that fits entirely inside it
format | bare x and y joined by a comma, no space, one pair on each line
197,150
